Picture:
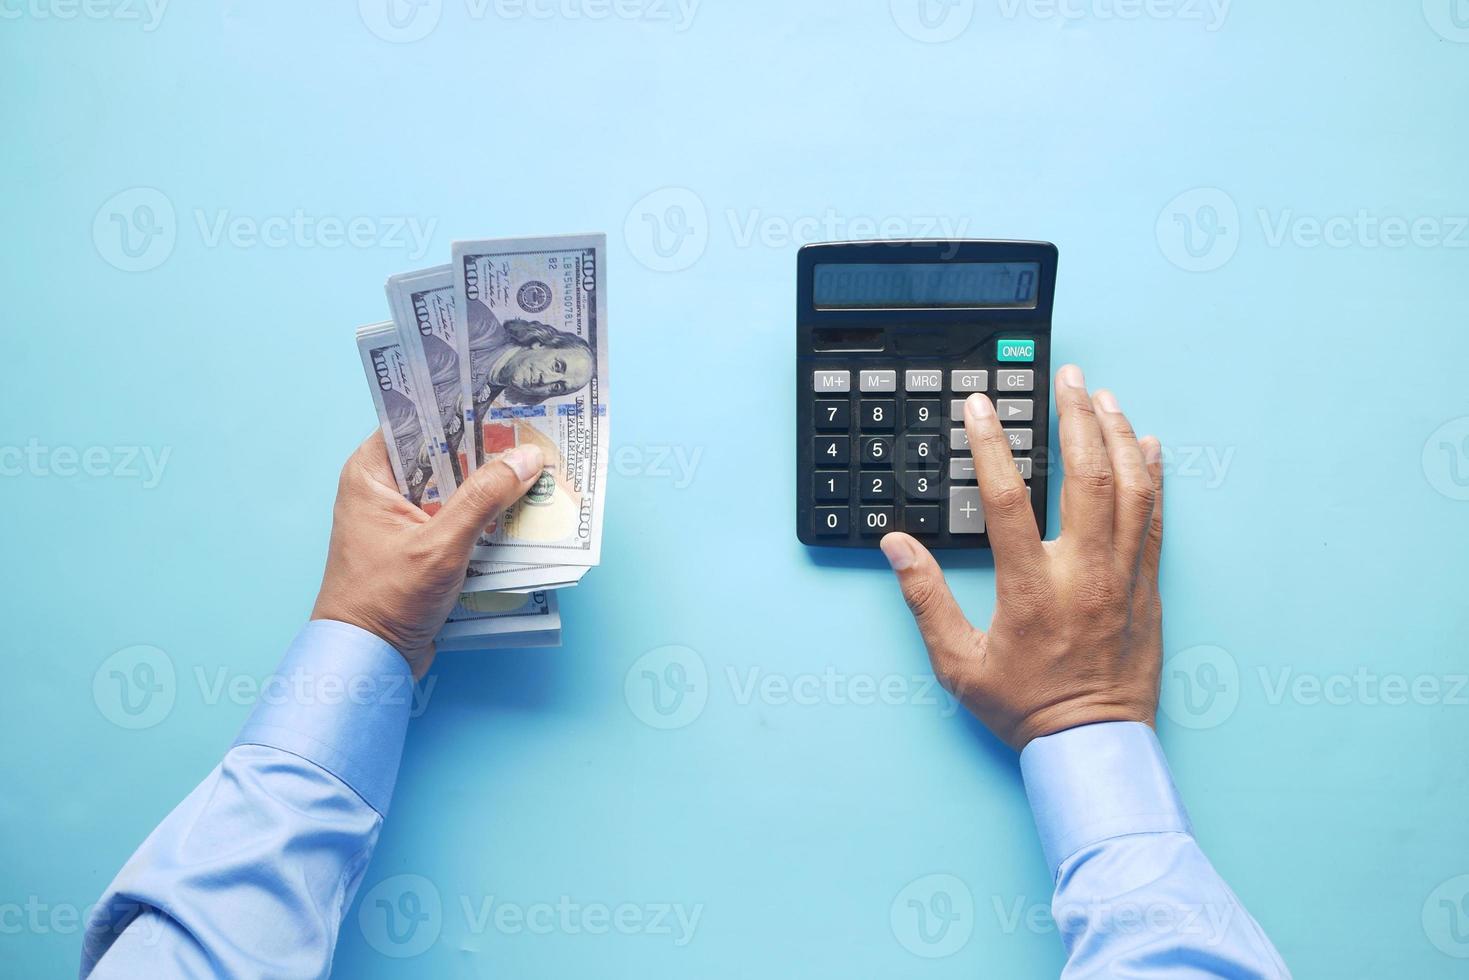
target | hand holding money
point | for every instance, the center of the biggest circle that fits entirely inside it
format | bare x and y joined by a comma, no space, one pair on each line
397,572
503,350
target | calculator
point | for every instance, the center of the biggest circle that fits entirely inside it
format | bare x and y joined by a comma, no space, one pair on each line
891,338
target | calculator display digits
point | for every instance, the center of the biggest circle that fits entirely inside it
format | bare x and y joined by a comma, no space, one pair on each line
891,338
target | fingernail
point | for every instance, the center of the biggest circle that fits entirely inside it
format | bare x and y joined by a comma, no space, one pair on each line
1108,402
1152,451
525,461
898,552
976,406
1070,376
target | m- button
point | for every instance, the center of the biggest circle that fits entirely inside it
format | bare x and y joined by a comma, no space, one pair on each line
878,381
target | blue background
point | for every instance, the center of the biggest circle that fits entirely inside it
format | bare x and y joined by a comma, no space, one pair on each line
1329,544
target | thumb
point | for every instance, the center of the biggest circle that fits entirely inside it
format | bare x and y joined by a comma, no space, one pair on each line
488,491
940,620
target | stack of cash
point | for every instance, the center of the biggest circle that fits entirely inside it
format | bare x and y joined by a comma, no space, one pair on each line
505,346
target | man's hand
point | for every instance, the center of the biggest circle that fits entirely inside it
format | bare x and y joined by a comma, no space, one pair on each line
1077,635
393,570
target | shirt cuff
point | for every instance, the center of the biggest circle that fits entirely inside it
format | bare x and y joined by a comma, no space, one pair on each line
1096,782
340,699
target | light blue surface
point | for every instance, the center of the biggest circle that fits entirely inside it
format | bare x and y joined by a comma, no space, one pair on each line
1329,547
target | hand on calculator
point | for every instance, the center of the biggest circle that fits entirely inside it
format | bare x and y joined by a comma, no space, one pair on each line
1077,631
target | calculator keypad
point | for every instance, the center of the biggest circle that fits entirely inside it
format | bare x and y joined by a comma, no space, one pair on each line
891,452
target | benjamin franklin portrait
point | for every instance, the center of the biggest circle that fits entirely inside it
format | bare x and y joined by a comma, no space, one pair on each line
523,362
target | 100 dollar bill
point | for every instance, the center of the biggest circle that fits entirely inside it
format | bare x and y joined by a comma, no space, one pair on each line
423,307
411,452
533,366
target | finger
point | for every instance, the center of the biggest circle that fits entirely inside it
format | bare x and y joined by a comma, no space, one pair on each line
1086,491
1133,501
1008,518
486,492
942,623
1153,544
372,457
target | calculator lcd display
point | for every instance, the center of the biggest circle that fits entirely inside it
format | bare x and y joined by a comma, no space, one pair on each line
925,285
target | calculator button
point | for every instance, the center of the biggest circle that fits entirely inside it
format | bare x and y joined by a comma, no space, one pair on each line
969,380
831,520
958,440
923,381
923,413
1020,439
833,382
922,451
875,520
875,486
966,515
924,485
1015,409
1014,379
1009,350
832,486
1025,467
833,415
879,380
833,450
877,452
962,468
921,520
956,410
877,416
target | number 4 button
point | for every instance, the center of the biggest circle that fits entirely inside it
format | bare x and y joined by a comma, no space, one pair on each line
833,450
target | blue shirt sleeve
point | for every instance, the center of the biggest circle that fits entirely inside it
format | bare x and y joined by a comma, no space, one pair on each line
251,874
1134,894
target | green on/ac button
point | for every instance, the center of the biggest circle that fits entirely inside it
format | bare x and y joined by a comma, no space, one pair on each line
1015,350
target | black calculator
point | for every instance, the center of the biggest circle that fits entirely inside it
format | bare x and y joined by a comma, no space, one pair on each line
891,337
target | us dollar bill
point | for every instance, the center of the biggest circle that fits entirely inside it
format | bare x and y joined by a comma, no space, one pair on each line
497,614
491,576
423,307
411,453
533,368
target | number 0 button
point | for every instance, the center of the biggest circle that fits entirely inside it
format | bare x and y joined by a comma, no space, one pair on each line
831,520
